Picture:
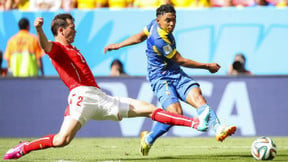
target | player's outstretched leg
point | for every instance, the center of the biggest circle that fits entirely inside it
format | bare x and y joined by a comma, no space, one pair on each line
168,119
147,139
15,152
26,147
144,145
204,116
180,120
222,131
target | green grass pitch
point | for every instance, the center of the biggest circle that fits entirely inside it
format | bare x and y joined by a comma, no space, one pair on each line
165,149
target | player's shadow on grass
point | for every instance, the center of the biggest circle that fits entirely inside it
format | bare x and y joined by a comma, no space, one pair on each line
191,157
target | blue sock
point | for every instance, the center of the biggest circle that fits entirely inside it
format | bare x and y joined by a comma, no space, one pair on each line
201,109
213,119
158,130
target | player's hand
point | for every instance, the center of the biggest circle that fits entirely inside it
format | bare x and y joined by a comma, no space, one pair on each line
38,22
213,67
111,47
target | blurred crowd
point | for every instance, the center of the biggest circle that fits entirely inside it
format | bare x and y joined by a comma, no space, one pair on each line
52,5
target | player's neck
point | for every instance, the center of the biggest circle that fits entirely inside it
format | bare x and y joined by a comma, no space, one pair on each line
62,41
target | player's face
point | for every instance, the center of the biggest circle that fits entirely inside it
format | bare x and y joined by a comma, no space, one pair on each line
167,21
69,32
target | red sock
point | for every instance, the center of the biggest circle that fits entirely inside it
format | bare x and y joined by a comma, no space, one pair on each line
174,119
42,143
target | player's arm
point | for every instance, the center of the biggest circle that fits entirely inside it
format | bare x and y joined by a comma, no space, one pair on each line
212,67
40,65
43,41
135,39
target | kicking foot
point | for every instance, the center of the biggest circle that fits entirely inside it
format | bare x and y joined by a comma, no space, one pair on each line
144,146
203,120
224,131
16,152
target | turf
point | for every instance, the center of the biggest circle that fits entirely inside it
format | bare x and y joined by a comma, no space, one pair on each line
165,149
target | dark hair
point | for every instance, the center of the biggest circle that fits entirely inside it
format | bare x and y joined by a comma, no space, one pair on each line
166,8
119,63
242,56
23,23
60,21
239,65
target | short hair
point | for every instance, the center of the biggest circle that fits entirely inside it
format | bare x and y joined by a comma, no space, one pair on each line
60,21
165,8
23,23
119,63
242,56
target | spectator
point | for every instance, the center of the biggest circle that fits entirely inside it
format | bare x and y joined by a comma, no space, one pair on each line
117,68
7,5
101,3
2,5
239,66
221,3
200,4
48,5
244,3
181,3
120,3
3,71
190,3
1,60
67,5
22,5
262,3
280,3
23,53
91,4
150,3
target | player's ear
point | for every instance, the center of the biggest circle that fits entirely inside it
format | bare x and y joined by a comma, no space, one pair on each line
60,30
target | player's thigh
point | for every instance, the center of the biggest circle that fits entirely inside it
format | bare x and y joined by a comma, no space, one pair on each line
91,103
140,108
106,107
165,92
189,91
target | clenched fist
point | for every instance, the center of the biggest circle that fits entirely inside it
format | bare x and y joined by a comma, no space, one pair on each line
213,67
38,22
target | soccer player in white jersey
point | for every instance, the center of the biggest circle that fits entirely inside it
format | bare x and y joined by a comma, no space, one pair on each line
86,100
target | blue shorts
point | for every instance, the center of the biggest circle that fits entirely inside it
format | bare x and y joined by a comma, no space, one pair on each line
170,89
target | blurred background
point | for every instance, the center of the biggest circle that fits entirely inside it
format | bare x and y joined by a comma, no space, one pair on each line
207,33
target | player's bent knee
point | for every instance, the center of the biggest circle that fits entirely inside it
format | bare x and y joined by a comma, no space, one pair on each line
61,141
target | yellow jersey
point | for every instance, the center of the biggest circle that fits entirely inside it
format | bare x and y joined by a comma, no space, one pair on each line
22,52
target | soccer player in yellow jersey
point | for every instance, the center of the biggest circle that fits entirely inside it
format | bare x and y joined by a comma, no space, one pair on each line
23,53
167,79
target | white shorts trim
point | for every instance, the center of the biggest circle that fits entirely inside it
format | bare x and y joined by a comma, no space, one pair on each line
86,103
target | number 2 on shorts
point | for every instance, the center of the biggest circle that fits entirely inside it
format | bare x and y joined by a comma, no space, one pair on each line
80,99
